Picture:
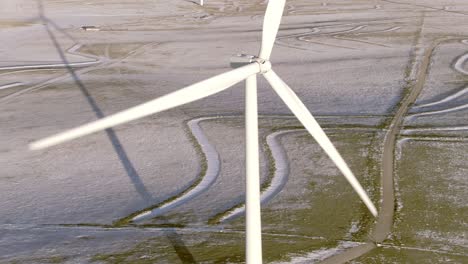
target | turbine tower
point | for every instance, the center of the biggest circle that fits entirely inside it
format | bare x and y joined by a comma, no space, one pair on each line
249,67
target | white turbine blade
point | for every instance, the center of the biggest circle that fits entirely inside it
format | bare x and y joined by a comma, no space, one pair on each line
271,24
186,95
309,122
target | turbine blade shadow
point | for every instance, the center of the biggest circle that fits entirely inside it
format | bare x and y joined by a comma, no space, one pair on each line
117,145
174,238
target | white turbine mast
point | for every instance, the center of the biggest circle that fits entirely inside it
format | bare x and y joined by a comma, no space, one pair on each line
248,68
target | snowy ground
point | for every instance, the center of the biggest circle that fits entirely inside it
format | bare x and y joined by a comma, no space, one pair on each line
352,63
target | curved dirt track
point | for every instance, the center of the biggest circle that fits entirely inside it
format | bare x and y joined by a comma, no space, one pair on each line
384,222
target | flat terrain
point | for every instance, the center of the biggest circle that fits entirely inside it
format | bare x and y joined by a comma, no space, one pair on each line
387,79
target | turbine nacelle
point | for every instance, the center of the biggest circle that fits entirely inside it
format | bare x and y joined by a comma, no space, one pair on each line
240,60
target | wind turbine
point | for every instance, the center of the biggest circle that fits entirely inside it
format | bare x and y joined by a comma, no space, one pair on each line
251,66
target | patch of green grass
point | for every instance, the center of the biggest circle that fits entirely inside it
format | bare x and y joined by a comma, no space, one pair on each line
88,225
371,181
396,255
432,214
314,216
148,252
213,247
333,201
41,260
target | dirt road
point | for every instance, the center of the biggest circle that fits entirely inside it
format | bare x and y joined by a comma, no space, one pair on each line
384,222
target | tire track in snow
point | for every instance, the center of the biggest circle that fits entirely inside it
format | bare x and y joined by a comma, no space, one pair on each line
328,44
284,44
72,50
26,70
378,31
11,85
208,177
308,36
106,62
270,188
339,37
446,99
305,38
430,129
424,250
424,6
320,255
275,183
361,41
433,138
438,112
103,228
314,30
460,63
213,167
458,66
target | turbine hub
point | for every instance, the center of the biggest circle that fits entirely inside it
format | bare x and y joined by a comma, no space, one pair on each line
243,59
265,65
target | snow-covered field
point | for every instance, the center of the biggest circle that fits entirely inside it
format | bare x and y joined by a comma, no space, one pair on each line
353,63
